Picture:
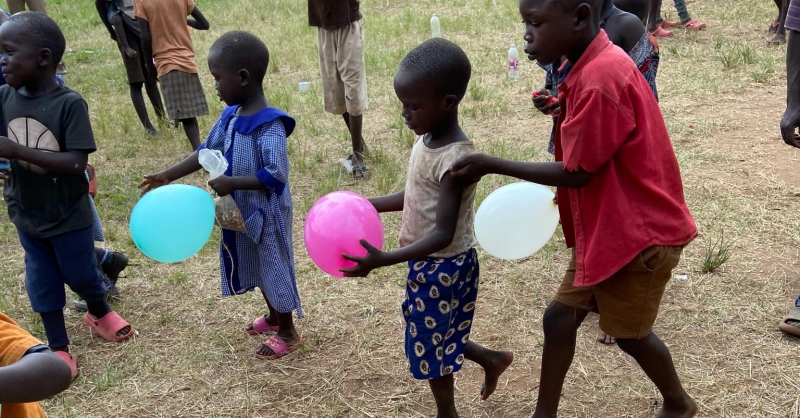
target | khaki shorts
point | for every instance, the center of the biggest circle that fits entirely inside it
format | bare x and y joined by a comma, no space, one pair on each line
341,66
628,301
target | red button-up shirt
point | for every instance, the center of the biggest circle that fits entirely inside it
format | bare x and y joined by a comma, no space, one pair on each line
612,127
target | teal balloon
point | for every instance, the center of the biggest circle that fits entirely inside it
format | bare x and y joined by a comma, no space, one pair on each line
173,222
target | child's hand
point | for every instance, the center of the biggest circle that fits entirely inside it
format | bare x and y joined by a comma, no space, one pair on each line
152,181
223,185
471,167
5,170
545,103
8,148
374,259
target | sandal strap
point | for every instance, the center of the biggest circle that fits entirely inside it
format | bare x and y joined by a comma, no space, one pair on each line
277,344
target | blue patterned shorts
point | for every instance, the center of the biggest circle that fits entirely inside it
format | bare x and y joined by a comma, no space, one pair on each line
439,307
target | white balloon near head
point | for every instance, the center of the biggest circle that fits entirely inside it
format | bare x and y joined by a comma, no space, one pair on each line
516,220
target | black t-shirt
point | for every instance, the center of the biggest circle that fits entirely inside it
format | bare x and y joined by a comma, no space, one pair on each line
42,203
331,14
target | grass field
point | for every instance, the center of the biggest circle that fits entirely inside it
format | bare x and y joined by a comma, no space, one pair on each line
722,94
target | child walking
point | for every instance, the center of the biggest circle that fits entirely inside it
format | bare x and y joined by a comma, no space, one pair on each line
164,36
436,237
252,136
620,198
46,190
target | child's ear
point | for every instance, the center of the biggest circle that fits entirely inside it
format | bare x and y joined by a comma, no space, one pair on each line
45,57
450,101
583,17
244,77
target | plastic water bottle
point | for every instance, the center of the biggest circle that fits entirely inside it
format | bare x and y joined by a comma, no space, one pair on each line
436,30
513,62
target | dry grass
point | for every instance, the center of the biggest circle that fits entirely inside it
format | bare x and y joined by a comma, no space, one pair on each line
722,95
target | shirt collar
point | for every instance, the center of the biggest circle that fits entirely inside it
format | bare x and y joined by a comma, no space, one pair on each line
598,45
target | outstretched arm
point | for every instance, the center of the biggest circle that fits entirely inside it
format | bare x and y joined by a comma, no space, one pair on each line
389,203
549,174
197,20
188,166
34,377
447,209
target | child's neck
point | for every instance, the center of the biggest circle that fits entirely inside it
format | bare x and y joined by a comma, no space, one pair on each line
580,47
445,133
254,103
39,86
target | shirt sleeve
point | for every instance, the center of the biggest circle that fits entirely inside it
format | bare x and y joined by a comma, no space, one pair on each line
78,135
274,156
449,158
139,10
14,341
595,130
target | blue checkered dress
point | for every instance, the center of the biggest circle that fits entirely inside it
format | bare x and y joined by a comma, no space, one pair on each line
262,256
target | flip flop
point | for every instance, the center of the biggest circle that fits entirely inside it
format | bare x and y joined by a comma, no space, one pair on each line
71,361
108,326
794,314
694,25
667,24
661,32
260,326
279,346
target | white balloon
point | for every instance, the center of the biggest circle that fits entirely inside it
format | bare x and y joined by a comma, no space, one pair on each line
516,220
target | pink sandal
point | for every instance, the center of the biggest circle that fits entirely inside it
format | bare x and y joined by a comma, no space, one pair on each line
71,361
260,326
279,347
667,24
108,326
694,25
661,32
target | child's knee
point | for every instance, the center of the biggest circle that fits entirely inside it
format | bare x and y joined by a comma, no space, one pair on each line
559,318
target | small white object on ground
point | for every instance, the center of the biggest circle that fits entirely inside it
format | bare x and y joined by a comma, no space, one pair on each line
305,86
682,277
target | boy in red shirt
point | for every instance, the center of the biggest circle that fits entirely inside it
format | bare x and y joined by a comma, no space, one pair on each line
619,194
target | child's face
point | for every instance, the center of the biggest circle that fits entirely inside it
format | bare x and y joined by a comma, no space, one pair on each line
549,28
423,107
21,59
227,82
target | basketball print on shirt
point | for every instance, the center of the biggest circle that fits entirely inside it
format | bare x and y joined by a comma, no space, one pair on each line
32,134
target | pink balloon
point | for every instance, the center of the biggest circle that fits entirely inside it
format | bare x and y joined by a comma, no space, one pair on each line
334,226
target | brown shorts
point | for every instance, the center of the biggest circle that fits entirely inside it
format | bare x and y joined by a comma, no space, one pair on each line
341,67
134,67
628,301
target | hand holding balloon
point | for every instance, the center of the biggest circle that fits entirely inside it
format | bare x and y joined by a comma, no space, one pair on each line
153,181
375,258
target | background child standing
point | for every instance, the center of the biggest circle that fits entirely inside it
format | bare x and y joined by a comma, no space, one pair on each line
46,191
620,198
164,38
252,136
437,236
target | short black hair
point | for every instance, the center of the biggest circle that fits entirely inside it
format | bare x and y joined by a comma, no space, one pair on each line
440,64
242,49
43,32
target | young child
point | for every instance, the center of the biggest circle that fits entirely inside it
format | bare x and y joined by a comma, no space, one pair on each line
620,199
252,135
46,189
437,236
120,21
340,41
29,372
164,38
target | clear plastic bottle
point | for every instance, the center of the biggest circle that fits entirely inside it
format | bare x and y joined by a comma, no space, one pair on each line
436,30
513,62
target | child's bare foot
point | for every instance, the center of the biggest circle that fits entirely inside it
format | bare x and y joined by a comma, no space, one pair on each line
606,339
131,53
778,39
685,408
279,345
500,362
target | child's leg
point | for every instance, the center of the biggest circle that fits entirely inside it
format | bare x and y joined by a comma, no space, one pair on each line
192,131
155,98
354,125
443,388
494,363
56,331
16,6
561,324
122,35
286,329
141,109
654,18
656,361
683,13
780,31
36,6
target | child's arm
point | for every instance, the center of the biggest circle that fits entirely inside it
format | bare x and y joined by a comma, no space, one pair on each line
198,21
102,10
447,209
57,162
34,377
147,49
225,185
550,174
188,166
389,203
